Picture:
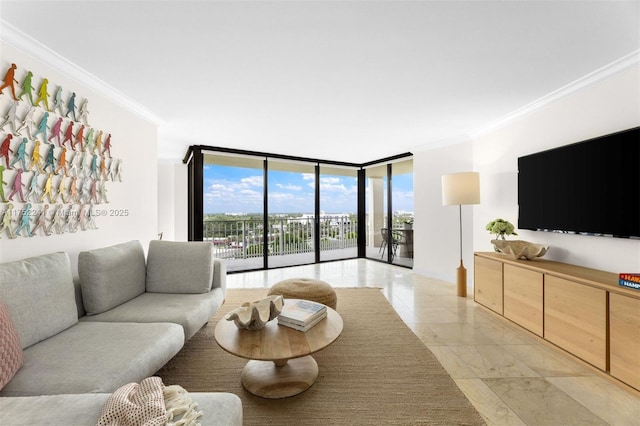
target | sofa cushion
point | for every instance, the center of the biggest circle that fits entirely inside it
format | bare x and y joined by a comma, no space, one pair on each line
111,276
39,294
218,409
95,357
11,356
179,267
191,311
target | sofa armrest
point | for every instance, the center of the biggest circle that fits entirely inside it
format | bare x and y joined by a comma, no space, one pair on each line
220,275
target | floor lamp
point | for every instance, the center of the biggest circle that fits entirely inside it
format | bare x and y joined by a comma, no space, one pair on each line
459,189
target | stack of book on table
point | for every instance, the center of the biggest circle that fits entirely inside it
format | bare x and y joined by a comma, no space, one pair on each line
301,314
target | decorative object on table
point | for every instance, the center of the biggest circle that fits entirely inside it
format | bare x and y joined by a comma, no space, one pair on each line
302,314
307,289
459,189
629,281
519,249
500,227
255,315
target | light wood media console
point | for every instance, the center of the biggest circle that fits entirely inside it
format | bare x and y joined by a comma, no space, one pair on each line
581,310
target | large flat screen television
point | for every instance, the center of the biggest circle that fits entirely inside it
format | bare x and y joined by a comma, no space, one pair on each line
590,187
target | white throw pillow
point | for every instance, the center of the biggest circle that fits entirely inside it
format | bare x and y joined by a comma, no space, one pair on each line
179,267
39,292
111,276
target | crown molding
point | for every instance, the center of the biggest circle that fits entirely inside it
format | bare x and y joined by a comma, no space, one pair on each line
443,142
616,67
32,47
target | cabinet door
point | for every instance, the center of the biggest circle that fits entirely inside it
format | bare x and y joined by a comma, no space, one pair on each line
624,326
487,283
523,297
575,318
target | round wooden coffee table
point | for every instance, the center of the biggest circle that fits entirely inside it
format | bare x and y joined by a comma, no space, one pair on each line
280,363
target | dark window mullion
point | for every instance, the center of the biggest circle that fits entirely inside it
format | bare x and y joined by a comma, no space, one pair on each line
362,213
389,213
265,215
316,223
196,183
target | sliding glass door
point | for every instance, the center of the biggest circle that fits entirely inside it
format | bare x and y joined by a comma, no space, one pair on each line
389,212
291,201
338,212
402,211
233,209
376,212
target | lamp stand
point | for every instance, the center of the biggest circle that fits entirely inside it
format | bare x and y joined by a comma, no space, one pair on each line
461,272
461,280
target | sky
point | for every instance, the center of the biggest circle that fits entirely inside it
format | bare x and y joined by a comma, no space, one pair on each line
239,190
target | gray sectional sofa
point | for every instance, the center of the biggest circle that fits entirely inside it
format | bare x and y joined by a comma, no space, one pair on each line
119,321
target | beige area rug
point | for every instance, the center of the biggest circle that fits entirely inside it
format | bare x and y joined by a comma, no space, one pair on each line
377,372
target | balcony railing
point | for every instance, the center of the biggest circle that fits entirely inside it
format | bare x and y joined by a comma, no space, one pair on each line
243,239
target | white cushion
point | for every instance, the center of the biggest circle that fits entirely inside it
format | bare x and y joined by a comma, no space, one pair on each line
111,276
179,267
40,296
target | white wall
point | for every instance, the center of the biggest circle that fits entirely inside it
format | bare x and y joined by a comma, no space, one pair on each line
134,141
166,199
172,200
603,107
437,227
609,105
182,198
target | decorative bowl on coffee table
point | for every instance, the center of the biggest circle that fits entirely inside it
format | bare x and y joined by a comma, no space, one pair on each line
255,315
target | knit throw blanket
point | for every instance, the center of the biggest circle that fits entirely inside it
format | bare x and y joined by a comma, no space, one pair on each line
149,403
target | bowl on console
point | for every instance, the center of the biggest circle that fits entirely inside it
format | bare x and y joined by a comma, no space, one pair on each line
519,249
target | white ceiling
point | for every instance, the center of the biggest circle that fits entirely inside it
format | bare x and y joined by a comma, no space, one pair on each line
348,81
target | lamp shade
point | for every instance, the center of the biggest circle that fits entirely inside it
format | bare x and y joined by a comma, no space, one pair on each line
461,188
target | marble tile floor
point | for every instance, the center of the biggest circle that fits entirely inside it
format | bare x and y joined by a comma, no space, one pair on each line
511,376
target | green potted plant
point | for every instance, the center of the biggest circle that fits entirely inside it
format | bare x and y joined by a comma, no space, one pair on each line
501,227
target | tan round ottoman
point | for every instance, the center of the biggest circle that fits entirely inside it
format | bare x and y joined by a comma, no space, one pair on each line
306,288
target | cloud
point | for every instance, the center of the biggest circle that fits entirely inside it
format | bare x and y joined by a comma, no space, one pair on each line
338,188
405,195
329,180
290,187
278,197
252,181
291,193
222,194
